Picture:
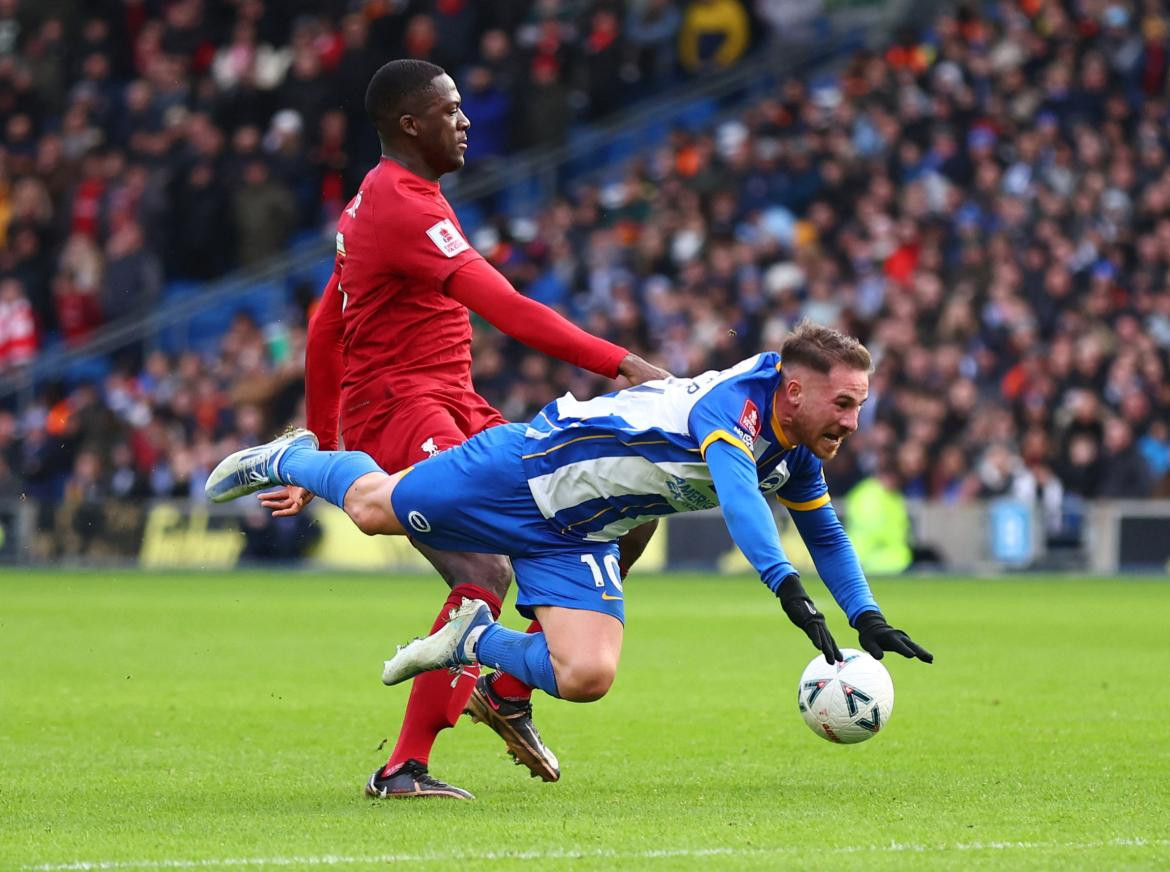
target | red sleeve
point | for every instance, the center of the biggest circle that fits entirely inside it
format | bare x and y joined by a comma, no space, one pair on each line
420,242
481,288
324,366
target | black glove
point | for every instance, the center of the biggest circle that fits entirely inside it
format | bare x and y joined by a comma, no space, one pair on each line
878,637
801,611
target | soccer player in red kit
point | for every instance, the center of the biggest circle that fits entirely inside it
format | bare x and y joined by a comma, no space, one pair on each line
393,330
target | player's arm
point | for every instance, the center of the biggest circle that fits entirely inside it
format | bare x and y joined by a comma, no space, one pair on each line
481,288
324,365
753,529
836,561
323,368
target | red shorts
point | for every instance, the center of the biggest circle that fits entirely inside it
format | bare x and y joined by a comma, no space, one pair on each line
405,431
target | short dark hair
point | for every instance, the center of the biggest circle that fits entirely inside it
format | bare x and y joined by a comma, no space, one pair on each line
396,84
819,348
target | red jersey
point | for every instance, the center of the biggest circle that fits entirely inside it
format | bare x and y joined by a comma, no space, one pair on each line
393,330
397,243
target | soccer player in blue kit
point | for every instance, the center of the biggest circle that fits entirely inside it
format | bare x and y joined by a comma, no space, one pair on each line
556,494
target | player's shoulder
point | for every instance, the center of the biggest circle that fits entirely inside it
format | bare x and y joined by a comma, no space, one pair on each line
757,368
389,179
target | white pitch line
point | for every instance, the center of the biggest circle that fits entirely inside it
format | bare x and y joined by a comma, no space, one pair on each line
601,853
339,860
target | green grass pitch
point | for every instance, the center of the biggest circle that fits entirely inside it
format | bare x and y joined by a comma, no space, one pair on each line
207,721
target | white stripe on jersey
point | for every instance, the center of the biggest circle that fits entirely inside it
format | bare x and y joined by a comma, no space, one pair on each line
686,486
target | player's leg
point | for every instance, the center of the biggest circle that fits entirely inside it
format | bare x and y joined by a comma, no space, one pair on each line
579,591
348,479
505,690
631,545
584,648
437,699
574,657
436,702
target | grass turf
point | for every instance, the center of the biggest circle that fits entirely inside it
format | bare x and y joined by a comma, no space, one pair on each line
210,721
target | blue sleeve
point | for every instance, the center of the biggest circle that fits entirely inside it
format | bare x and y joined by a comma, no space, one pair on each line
745,511
835,559
730,412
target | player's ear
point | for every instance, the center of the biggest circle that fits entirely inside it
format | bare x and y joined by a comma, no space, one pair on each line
408,124
793,391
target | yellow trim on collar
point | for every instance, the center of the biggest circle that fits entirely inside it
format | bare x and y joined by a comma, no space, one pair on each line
788,446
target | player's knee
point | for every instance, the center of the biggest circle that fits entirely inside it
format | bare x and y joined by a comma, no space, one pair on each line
493,573
585,682
367,503
368,516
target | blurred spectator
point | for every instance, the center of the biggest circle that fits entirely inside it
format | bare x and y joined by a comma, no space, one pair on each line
878,523
265,214
202,243
491,107
547,113
603,50
18,328
133,274
1126,475
652,31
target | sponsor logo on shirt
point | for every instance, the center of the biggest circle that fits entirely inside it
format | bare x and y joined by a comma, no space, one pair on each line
447,239
686,496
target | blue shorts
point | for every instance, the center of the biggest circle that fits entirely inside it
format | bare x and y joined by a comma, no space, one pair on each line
475,497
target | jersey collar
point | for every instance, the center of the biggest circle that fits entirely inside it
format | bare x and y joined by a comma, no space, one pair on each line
776,428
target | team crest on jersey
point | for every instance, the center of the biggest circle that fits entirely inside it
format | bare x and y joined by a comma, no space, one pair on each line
447,239
351,211
777,479
430,447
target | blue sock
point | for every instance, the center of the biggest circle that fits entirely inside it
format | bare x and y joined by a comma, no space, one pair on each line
524,655
328,474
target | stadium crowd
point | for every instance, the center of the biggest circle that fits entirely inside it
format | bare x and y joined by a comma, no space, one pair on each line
132,130
986,204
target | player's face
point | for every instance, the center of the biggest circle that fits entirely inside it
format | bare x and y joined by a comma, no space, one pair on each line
828,408
442,127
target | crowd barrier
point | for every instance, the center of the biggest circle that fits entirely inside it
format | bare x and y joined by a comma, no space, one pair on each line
1108,537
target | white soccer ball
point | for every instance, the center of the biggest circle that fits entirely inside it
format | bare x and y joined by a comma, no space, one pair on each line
846,702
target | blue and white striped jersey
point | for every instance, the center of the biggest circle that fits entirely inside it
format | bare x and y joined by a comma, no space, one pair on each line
600,467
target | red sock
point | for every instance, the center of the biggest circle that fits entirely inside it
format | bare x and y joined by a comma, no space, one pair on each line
509,686
435,705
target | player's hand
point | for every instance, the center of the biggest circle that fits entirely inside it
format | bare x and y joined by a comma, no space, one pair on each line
637,370
801,611
285,501
877,637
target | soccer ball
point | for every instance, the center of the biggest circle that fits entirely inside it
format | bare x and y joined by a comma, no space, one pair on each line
847,702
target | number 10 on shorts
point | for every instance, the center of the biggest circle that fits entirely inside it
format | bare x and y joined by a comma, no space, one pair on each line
612,569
